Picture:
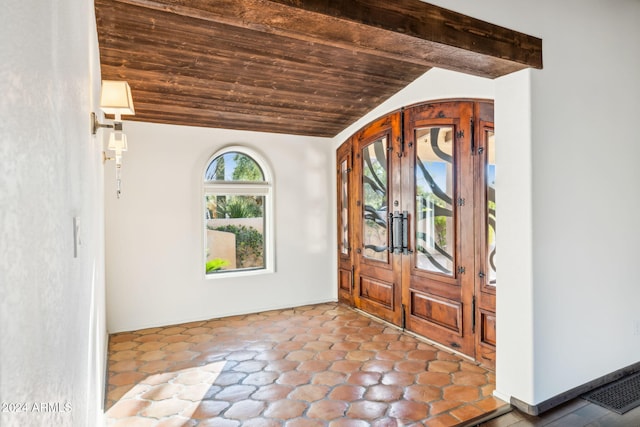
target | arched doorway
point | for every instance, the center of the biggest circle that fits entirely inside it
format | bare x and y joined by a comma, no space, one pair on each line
416,223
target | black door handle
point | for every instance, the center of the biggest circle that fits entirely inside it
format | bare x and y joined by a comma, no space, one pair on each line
395,232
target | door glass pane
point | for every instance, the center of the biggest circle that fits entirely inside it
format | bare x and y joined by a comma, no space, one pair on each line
434,181
344,211
491,207
374,190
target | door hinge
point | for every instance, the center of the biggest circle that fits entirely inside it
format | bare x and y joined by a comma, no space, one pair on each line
404,316
461,201
401,137
461,270
473,315
460,134
473,139
353,278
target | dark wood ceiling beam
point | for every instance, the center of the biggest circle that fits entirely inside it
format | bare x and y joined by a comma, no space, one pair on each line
215,42
432,23
406,30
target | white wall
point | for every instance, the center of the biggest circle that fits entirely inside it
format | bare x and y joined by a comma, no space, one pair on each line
586,227
155,230
570,312
515,326
52,328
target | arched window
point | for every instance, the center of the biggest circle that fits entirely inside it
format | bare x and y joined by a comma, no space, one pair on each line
238,216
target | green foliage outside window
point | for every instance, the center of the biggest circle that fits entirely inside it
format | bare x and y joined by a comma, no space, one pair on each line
239,207
246,169
216,264
440,225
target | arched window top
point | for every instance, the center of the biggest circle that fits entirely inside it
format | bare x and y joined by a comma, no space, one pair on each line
235,165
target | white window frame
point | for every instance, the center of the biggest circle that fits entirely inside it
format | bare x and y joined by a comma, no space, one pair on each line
250,188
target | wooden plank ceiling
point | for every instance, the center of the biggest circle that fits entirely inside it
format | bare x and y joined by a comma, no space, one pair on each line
308,67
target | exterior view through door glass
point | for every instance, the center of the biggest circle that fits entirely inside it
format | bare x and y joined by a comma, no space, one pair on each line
434,197
491,208
374,188
344,208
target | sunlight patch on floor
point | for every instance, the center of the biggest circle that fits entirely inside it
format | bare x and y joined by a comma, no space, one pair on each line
171,397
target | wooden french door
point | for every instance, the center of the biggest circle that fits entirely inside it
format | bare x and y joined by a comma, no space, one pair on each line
414,207
486,280
439,183
378,267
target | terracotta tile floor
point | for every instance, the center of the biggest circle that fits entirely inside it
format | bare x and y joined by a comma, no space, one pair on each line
320,365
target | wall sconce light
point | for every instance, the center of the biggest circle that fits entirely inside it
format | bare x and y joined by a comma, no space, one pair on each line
115,99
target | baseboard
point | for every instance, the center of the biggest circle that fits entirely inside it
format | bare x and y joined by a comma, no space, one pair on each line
503,397
214,316
105,369
551,403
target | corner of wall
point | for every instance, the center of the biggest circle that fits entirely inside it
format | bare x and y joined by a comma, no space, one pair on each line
515,328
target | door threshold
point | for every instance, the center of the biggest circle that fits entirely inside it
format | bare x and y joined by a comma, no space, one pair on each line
417,336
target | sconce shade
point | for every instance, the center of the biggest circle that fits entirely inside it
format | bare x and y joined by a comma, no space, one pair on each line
116,98
117,142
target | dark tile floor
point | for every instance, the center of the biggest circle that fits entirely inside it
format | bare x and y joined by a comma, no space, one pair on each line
321,365
575,413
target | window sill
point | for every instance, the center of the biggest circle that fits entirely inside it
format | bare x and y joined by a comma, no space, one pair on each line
238,273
